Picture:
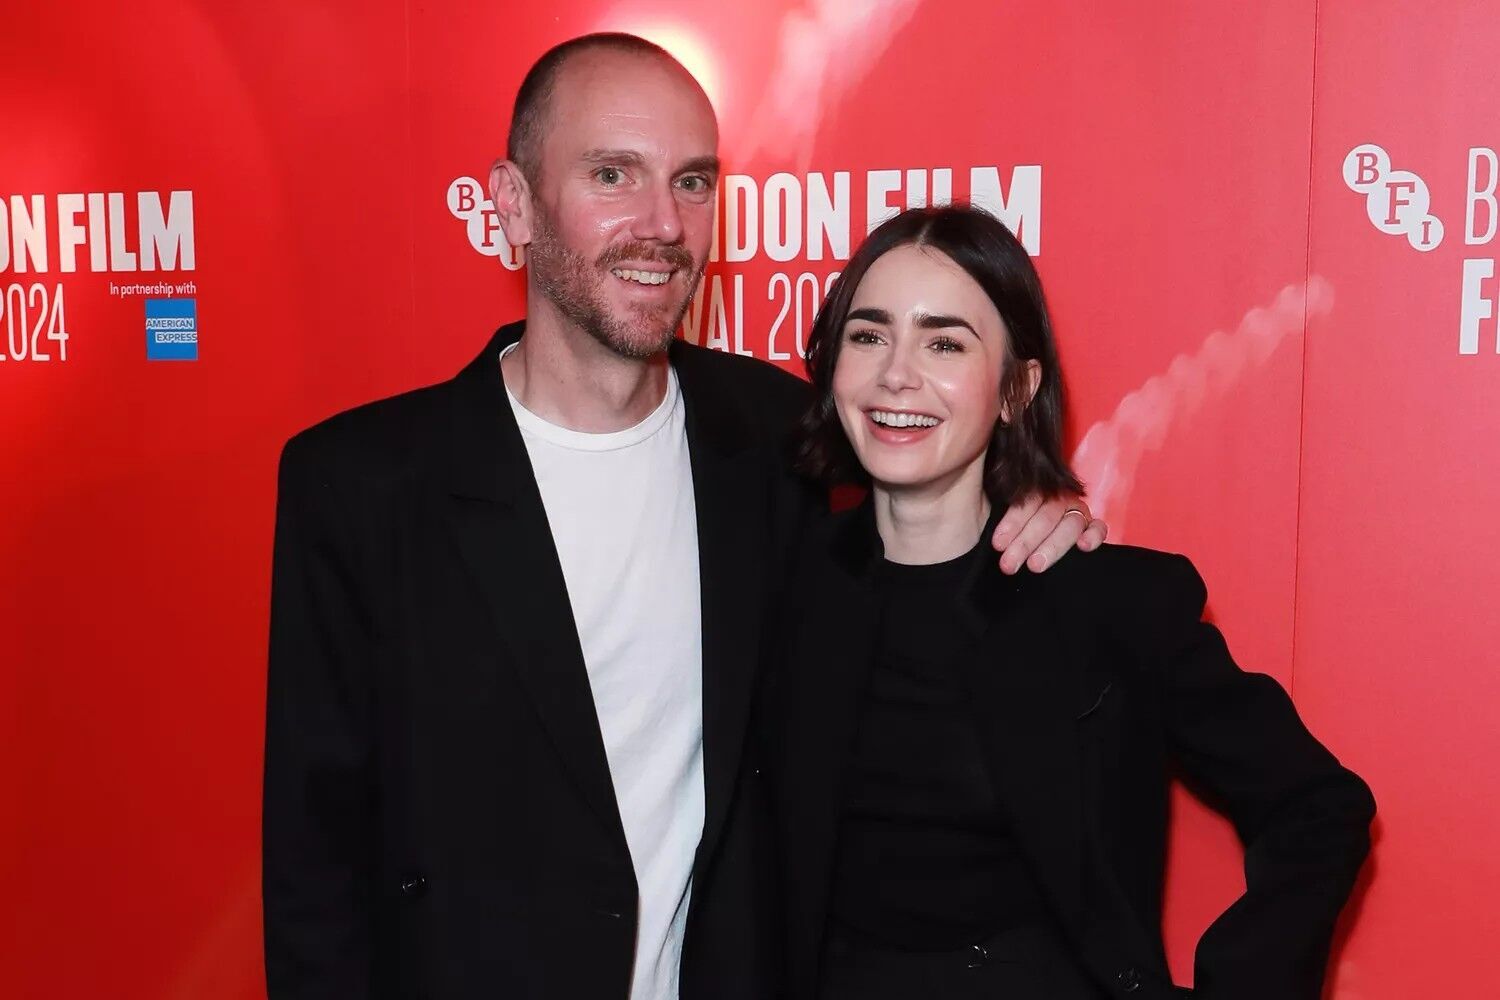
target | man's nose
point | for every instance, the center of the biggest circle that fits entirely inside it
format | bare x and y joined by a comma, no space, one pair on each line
659,217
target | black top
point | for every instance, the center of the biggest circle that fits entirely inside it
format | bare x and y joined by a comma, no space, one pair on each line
924,859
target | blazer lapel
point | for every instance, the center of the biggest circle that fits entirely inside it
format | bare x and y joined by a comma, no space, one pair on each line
500,527
728,487
827,674
1025,679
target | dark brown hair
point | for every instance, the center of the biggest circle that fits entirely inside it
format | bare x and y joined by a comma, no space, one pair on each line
528,119
1025,453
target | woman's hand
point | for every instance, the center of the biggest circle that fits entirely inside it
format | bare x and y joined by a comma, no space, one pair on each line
1038,532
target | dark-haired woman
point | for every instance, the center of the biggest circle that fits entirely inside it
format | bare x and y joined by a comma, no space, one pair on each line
970,769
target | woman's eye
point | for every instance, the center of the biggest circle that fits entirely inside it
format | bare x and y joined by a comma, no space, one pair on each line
611,176
947,345
863,337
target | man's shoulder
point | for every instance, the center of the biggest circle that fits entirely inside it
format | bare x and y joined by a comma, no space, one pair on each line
372,440
381,441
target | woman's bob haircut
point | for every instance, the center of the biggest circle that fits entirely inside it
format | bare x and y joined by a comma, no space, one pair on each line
1025,452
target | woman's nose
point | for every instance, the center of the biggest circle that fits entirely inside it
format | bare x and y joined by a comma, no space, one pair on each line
899,371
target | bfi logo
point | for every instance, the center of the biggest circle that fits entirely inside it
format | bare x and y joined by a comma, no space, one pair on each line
1397,201
468,204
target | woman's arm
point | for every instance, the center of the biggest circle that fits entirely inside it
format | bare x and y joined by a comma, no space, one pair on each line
1304,819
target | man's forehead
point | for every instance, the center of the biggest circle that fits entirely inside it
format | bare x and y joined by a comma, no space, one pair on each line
633,93
608,64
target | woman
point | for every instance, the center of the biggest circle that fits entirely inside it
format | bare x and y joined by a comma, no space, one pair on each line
971,770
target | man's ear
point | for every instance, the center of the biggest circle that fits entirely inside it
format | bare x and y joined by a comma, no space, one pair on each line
511,194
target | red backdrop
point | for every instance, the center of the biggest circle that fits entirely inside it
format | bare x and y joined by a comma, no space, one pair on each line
1277,338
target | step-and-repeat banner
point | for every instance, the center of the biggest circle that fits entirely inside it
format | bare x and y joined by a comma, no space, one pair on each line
1268,232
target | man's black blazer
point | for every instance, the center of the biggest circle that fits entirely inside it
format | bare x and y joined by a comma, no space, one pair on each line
439,817
1091,682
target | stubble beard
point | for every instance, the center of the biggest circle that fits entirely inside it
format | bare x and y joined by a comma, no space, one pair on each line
575,287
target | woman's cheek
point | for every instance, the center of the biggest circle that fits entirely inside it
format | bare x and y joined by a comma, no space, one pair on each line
974,399
843,396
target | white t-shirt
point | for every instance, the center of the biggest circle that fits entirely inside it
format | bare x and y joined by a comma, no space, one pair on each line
620,506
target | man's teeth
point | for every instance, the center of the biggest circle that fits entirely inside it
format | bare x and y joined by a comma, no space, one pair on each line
644,277
889,419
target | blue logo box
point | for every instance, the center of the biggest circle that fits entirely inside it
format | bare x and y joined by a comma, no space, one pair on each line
171,329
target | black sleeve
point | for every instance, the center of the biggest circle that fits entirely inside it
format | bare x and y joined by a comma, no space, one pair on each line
1303,818
317,822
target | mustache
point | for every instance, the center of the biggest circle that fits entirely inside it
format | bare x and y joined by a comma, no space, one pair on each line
645,253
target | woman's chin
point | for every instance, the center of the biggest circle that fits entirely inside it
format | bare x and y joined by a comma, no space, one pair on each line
922,479
907,481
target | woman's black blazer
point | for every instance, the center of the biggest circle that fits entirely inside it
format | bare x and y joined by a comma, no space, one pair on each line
1094,683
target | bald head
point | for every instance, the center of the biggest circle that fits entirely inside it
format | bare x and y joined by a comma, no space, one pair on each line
536,99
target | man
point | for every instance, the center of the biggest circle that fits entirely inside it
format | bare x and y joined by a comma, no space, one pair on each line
516,616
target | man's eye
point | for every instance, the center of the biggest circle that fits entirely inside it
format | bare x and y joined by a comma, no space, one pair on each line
611,175
695,183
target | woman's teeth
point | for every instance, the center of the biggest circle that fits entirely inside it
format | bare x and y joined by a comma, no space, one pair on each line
644,277
886,418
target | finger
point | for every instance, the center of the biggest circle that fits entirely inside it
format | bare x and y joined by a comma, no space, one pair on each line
1015,519
1063,536
1042,523
1011,524
1094,535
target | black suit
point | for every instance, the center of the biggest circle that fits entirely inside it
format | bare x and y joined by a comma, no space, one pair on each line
1091,681
440,820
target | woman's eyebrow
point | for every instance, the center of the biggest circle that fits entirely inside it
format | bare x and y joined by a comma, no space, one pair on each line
927,321
869,314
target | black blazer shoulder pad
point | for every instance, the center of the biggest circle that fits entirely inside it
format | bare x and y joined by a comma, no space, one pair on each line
1135,593
389,435
373,441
